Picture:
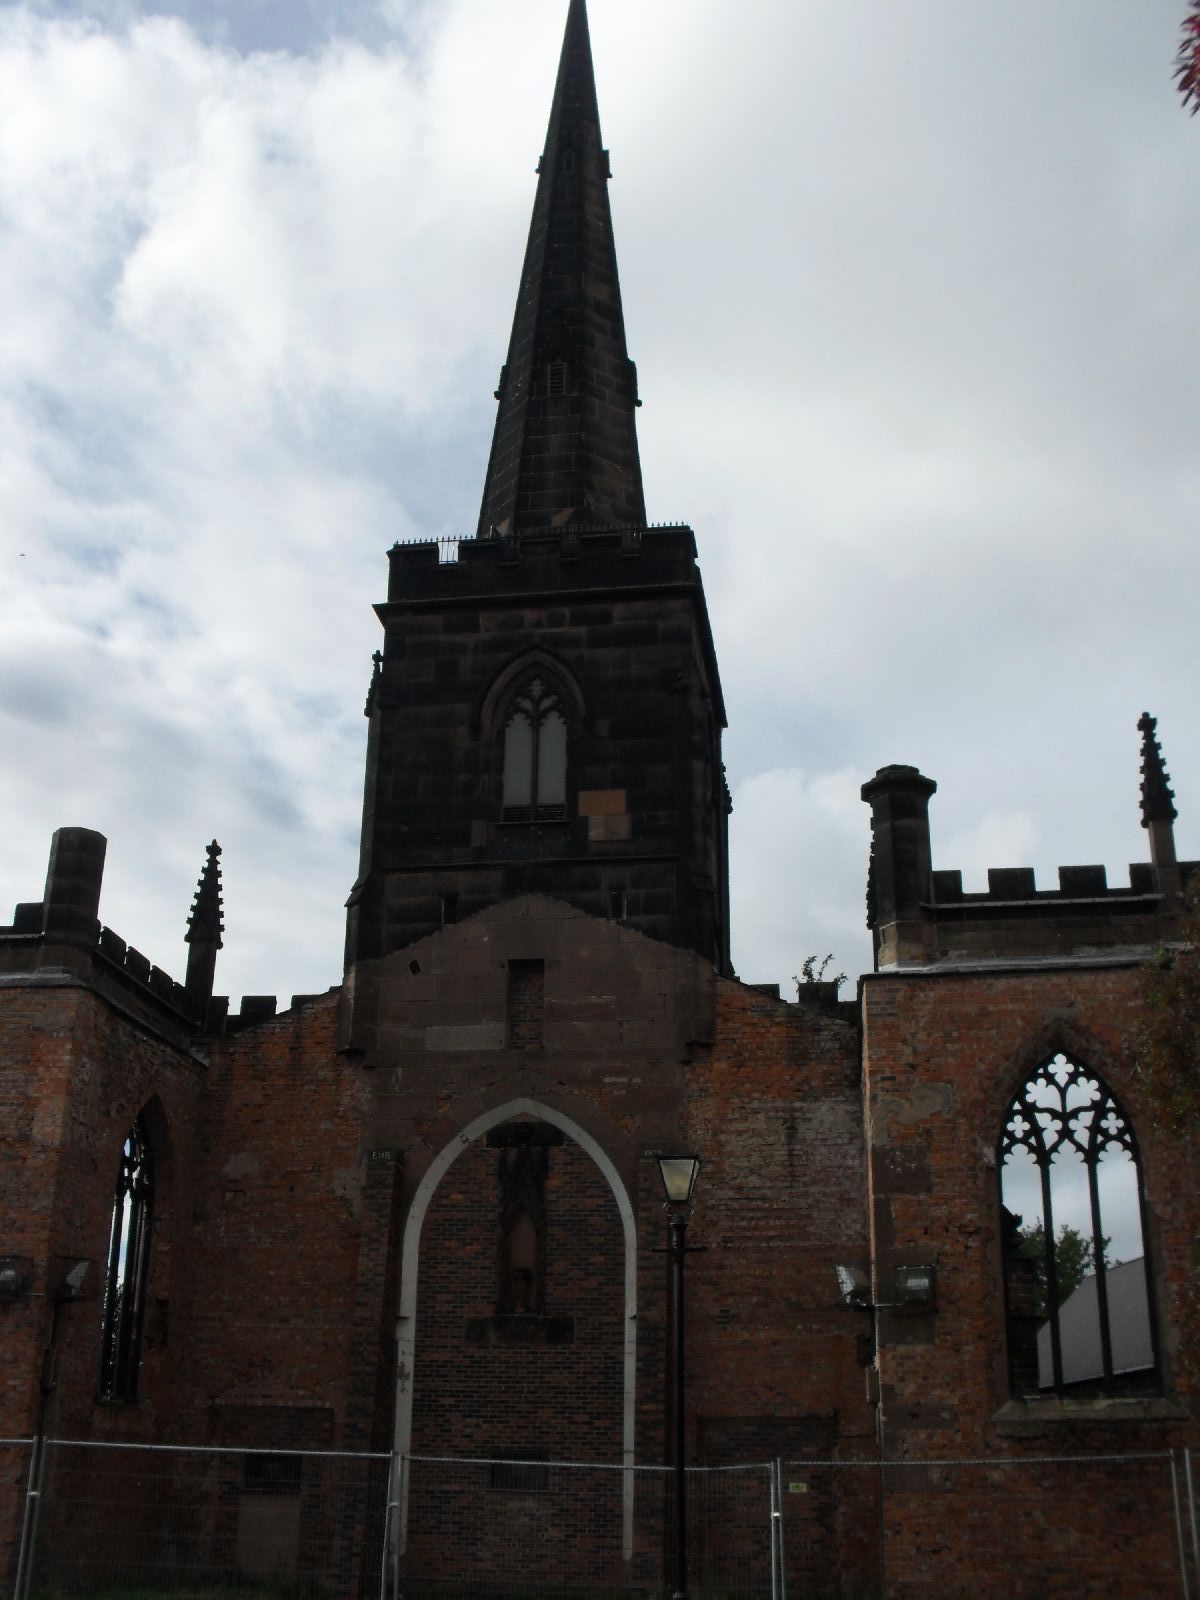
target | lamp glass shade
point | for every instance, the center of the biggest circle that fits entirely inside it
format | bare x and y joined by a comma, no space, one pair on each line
679,1177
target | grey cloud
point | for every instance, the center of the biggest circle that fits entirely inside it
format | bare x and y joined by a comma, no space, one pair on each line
911,292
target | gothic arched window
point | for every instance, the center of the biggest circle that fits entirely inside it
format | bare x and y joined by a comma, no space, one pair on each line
535,756
128,1269
1077,1284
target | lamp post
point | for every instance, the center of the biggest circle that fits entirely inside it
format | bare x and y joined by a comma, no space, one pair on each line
679,1173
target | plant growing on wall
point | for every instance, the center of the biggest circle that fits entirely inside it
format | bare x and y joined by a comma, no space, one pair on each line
1187,62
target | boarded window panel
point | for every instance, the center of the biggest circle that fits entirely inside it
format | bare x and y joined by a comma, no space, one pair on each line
518,761
552,760
526,1004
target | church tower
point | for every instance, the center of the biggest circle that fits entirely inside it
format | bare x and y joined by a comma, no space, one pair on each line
546,712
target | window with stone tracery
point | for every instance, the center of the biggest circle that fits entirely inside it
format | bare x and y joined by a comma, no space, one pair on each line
1077,1284
124,1304
535,756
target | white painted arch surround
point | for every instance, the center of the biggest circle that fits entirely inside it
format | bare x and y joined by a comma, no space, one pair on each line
406,1318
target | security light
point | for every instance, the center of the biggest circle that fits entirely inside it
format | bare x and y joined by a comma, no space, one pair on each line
16,1277
914,1286
71,1278
853,1286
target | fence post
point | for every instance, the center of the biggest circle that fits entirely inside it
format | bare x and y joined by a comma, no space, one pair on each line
390,1506
772,1526
29,1517
1183,1560
779,1505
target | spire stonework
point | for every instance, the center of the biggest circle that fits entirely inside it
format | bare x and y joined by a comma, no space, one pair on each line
203,937
564,452
1158,806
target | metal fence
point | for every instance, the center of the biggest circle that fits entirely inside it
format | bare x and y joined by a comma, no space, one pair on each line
138,1522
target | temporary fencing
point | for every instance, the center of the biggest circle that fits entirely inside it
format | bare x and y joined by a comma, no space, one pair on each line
141,1522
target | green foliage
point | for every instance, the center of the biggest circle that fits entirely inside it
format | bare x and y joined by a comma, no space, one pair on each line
810,972
1072,1260
1167,1043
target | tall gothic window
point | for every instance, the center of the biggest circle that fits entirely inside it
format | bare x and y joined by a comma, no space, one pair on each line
128,1269
535,756
1077,1284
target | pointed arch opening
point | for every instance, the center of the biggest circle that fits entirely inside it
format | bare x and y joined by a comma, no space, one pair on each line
406,1322
123,1311
1078,1289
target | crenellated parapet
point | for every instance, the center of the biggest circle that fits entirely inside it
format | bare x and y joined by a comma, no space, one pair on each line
62,935
551,561
921,916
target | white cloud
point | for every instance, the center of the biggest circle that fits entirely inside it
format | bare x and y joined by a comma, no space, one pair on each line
912,302
799,873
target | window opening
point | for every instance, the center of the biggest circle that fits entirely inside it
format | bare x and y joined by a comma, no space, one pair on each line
1077,1287
523,1472
128,1269
556,378
526,1004
449,909
617,905
535,757
272,1474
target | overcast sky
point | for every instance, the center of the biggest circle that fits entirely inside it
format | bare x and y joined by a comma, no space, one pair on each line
912,292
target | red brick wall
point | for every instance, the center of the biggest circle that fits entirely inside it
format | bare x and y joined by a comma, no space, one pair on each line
74,1073
276,1229
775,1111
560,1400
943,1057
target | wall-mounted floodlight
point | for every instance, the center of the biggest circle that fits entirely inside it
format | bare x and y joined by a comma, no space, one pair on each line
16,1277
853,1287
72,1278
914,1286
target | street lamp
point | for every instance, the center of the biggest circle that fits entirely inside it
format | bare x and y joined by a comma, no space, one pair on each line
679,1174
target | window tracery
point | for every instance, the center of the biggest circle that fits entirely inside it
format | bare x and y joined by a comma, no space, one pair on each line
535,756
125,1281
1077,1288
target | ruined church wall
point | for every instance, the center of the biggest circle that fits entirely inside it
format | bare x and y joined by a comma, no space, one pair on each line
943,1056
74,1074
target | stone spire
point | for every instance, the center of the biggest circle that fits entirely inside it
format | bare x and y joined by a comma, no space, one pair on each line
1158,800
565,447
1158,803
204,934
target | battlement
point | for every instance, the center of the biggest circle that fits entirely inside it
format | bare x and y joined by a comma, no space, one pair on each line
62,932
125,974
27,947
542,561
1012,886
919,915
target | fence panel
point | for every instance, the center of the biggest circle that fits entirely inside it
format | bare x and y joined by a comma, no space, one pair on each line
139,1522
1024,1528
16,1457
141,1519
498,1528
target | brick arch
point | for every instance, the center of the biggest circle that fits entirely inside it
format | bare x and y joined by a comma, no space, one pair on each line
406,1319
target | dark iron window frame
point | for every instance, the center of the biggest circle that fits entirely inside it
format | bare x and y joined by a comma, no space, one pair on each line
1090,1130
124,1305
